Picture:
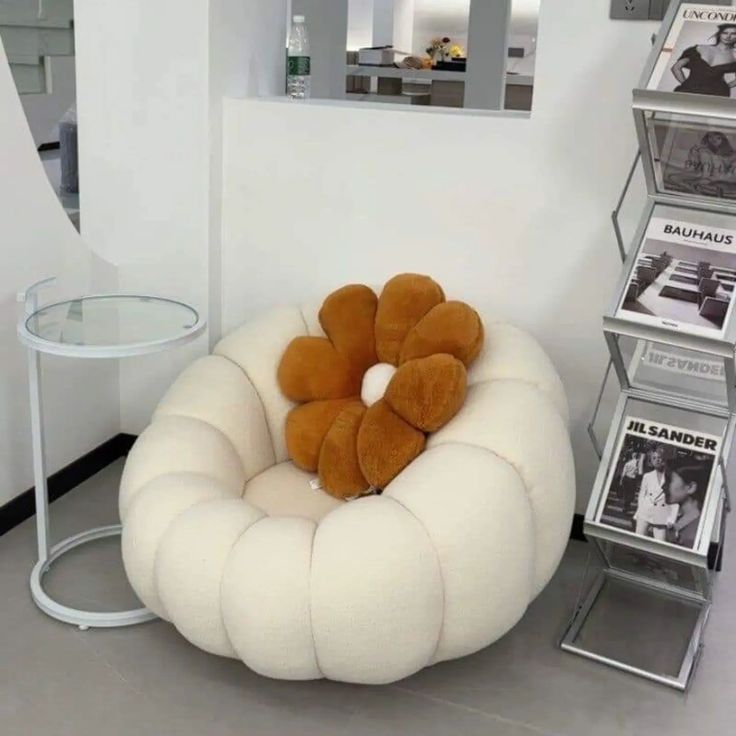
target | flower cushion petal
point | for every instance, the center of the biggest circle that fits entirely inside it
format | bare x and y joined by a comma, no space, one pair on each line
451,327
348,317
403,302
339,469
386,444
306,428
428,392
312,368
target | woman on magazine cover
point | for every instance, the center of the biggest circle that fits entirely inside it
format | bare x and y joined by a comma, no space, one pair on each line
708,64
685,482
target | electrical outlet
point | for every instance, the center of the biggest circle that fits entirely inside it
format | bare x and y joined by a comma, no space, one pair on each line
630,9
657,9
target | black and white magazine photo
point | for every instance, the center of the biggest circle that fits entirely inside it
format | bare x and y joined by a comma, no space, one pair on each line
685,275
658,484
692,158
699,54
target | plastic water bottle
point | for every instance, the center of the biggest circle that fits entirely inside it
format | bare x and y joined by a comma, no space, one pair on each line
298,84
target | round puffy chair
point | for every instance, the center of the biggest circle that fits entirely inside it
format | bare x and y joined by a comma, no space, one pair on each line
224,537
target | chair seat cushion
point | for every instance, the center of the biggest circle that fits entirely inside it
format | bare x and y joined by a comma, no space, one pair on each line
285,490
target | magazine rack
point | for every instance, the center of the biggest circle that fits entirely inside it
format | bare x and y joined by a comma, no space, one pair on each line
671,588
675,374
675,129
658,361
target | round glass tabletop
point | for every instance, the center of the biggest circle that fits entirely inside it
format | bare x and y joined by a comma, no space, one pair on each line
111,325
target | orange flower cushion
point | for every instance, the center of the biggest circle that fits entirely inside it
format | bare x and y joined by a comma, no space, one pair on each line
391,369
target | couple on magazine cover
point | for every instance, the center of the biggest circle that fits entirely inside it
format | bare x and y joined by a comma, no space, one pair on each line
659,498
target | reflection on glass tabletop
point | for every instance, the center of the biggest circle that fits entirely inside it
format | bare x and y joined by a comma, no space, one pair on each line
113,320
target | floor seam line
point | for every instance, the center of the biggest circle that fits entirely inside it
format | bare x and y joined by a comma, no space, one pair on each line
473,709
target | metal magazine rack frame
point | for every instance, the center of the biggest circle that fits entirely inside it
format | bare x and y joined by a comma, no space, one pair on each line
615,327
651,104
704,561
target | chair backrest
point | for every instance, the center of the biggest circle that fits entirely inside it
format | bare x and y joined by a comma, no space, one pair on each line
708,287
646,274
632,292
714,308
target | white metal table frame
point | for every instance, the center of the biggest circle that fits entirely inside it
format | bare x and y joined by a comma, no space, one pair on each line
47,554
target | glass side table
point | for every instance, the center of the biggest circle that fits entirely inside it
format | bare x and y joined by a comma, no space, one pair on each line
98,326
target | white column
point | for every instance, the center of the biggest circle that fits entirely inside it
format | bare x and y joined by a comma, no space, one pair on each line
485,81
383,22
360,24
327,24
403,38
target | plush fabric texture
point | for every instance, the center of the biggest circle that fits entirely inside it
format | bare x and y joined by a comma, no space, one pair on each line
285,490
230,541
339,468
387,444
404,354
405,300
428,392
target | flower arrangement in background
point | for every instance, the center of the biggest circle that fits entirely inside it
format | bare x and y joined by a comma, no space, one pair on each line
442,49
438,49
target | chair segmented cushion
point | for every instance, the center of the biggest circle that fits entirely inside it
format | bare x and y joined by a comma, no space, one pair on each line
226,539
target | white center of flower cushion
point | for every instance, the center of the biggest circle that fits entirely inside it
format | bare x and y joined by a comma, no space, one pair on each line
375,382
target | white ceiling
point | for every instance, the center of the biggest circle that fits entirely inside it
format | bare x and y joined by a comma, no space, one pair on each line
454,14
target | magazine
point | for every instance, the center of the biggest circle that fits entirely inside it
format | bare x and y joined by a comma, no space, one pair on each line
699,53
659,482
694,159
684,278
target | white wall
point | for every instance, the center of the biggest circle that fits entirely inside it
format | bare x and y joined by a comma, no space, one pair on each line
244,62
143,106
360,24
38,240
508,213
150,86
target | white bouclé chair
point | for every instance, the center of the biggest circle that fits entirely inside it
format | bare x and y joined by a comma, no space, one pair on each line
226,539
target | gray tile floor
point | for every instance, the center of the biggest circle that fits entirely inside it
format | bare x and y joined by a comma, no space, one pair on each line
56,680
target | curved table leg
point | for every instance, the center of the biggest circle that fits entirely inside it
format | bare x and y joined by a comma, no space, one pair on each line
83,619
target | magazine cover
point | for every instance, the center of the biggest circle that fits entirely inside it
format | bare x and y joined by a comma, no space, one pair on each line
684,277
699,53
694,159
659,481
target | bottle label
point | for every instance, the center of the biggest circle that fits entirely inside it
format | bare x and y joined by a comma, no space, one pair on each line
299,66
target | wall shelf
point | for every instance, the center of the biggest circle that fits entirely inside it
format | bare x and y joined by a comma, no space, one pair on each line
420,75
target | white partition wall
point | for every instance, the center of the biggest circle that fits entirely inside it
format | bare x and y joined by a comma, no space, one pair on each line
151,77
37,241
508,213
